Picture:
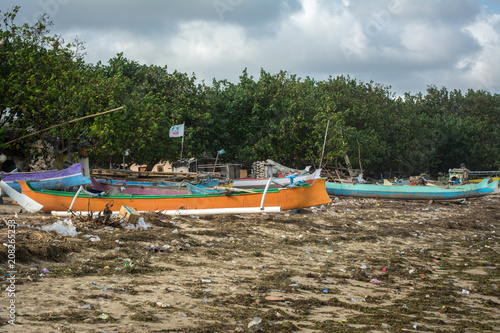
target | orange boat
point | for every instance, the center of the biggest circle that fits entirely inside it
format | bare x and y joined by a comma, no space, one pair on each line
310,193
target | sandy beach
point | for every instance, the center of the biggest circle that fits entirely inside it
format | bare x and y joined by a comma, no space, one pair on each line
350,266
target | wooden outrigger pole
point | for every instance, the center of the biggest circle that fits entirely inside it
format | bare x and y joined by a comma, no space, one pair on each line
67,122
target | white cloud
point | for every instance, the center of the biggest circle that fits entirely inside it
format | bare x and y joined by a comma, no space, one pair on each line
482,70
426,43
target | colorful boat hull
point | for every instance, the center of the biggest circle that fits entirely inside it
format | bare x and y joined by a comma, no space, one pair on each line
411,192
311,193
48,180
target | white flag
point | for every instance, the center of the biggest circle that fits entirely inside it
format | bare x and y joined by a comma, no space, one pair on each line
177,131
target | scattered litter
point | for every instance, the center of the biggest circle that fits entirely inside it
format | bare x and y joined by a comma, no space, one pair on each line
163,305
143,225
255,321
45,270
374,280
86,306
93,238
206,280
130,214
155,249
103,316
62,227
465,292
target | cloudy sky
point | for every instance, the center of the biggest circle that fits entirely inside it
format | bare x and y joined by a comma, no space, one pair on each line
405,44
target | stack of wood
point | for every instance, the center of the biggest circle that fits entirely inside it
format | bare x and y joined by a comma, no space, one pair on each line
148,175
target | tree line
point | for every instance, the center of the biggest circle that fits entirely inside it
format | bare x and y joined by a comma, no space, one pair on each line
45,81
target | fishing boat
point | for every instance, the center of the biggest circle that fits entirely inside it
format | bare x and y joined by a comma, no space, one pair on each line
49,180
447,192
137,188
310,193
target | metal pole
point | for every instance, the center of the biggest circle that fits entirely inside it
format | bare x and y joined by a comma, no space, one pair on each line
183,134
264,194
216,161
76,195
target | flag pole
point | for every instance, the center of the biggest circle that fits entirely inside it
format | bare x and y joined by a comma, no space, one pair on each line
324,143
182,144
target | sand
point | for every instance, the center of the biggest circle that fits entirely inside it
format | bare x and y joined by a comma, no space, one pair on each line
350,266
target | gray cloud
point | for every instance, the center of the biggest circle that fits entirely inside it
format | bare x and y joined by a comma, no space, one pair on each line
401,43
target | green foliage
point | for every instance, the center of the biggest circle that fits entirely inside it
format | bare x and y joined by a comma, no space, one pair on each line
45,82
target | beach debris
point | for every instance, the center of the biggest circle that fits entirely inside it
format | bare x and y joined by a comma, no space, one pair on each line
358,300
255,321
93,238
155,249
130,214
65,228
103,316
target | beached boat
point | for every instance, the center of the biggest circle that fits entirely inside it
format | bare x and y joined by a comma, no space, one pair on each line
49,180
311,193
447,192
121,188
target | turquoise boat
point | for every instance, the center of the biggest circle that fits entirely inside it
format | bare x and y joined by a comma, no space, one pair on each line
448,192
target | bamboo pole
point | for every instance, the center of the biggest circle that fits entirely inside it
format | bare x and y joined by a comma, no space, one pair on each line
67,122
